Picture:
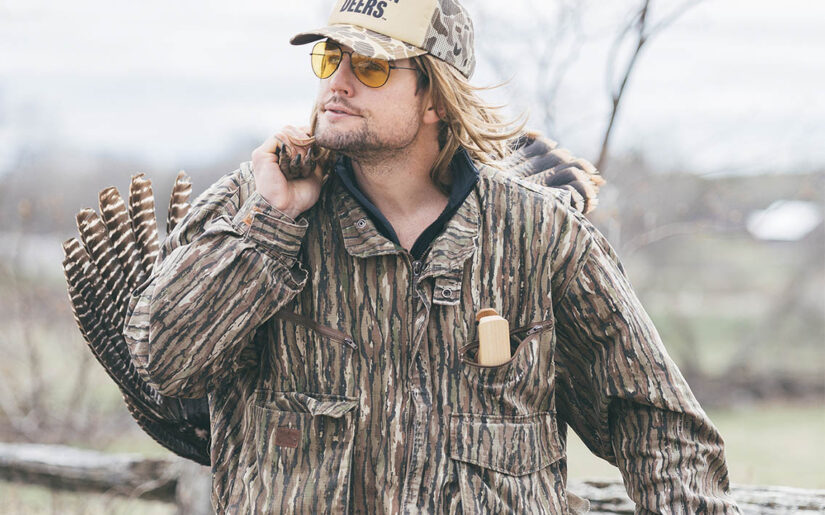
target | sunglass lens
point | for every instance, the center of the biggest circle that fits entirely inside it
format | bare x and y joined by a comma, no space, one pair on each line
325,59
372,72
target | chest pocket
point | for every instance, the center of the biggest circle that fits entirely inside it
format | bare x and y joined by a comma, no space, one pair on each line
521,386
307,356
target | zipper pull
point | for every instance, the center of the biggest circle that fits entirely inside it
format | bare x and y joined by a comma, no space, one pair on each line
536,328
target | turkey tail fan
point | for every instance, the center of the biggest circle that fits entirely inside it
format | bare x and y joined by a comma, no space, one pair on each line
540,160
114,253
179,201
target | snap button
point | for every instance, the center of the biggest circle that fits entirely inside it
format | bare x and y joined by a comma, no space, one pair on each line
447,292
361,223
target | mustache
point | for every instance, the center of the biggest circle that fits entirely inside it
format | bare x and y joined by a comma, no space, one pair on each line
335,100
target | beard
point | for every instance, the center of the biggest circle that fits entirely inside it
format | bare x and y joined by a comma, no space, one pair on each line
360,141
347,141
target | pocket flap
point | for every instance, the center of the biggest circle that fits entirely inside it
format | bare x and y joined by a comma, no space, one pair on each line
316,404
515,445
335,408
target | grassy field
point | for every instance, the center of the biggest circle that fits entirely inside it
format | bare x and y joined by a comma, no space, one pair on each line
15,499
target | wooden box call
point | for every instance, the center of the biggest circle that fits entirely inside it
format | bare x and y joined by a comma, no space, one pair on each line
493,338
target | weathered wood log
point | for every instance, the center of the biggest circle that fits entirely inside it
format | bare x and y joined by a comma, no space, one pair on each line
778,499
610,497
188,484
60,467
67,468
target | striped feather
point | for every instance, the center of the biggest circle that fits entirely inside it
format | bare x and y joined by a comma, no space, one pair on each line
179,201
538,159
96,240
71,269
93,310
142,211
118,224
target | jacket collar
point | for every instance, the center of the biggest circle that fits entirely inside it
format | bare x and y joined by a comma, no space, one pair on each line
450,249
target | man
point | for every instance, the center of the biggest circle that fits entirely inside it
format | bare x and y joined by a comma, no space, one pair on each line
324,299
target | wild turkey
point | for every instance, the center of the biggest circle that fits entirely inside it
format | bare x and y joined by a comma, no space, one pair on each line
117,249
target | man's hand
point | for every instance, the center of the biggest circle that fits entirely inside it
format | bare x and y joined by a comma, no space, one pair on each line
286,174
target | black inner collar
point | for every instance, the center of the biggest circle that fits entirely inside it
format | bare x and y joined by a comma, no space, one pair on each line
465,176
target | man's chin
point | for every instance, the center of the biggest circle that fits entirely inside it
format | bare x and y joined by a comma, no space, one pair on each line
338,140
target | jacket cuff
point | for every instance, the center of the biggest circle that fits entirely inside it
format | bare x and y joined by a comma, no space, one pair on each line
271,229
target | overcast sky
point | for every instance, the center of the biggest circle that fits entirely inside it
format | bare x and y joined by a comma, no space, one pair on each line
734,86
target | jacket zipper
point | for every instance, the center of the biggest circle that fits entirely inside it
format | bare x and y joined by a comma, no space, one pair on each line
533,328
415,269
329,332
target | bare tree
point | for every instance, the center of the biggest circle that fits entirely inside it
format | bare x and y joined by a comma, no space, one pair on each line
547,40
641,30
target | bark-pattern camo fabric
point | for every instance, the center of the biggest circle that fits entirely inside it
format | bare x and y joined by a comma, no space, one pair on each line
341,374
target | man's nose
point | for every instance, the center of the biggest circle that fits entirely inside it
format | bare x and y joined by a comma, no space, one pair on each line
342,81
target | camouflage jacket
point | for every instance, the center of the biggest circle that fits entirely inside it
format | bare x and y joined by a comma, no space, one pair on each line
341,375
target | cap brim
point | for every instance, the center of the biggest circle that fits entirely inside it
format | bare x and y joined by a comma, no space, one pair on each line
363,41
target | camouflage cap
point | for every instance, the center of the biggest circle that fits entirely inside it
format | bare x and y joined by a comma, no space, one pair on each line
396,29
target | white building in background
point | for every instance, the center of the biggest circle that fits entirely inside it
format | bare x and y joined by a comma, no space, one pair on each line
785,220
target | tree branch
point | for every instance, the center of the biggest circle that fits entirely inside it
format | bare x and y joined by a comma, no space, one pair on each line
644,32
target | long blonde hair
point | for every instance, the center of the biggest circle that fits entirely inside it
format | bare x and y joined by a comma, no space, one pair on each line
466,120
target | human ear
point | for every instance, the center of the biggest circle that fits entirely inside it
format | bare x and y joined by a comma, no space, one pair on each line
432,113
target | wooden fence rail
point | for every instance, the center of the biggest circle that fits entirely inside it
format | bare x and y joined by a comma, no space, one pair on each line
188,485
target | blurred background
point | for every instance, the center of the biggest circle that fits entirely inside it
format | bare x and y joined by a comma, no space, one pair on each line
707,119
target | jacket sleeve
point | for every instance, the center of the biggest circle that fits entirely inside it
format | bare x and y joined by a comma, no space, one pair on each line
624,396
228,267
